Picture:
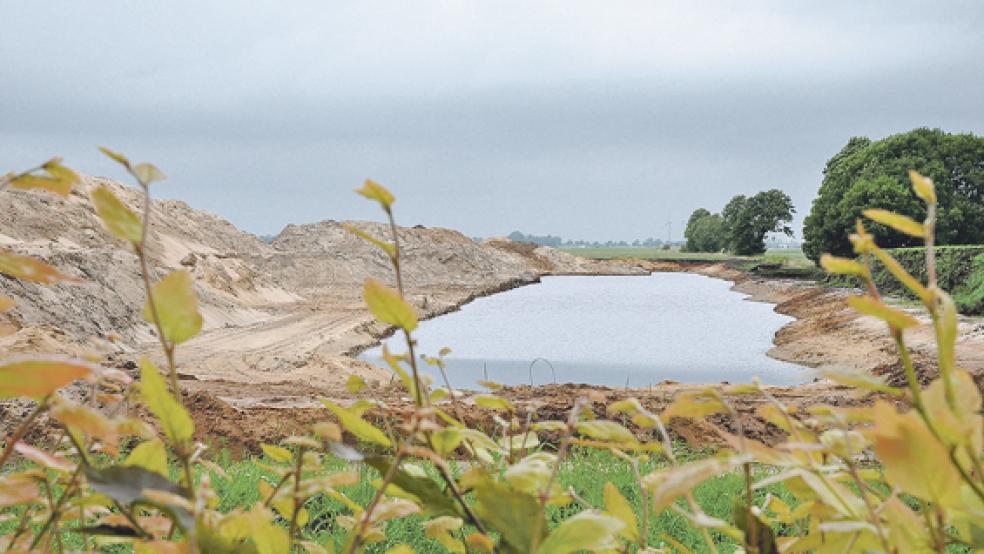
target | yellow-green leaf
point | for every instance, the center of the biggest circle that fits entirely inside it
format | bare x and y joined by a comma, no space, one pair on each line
177,307
491,402
355,383
390,249
589,530
147,173
37,377
605,431
923,187
19,489
27,268
481,543
446,440
913,458
5,304
116,216
374,191
904,277
869,306
119,158
277,453
834,264
440,529
618,506
150,455
899,222
174,418
59,179
694,405
388,307
359,427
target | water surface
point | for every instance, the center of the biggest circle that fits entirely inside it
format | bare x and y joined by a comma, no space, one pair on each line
608,331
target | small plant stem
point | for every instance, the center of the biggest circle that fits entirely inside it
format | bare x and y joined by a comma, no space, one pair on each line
166,346
872,512
367,516
283,480
51,502
644,494
298,469
22,430
561,454
56,509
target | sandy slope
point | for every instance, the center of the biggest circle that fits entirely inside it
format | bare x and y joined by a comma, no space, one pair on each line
288,311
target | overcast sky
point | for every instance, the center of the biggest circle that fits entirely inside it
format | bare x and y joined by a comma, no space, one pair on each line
595,120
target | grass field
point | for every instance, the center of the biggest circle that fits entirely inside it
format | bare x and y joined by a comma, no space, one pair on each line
586,471
789,257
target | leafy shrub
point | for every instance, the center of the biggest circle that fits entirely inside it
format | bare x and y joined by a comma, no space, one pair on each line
960,269
482,493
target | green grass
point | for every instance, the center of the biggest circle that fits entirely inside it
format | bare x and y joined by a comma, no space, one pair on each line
586,471
791,256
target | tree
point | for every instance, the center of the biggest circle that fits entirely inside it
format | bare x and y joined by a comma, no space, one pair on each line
748,219
867,174
705,232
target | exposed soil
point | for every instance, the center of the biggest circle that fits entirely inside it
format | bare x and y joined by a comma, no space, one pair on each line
283,320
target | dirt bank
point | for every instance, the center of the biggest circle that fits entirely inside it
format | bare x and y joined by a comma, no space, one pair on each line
282,319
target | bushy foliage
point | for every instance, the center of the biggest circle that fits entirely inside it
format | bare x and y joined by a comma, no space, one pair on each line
959,269
742,225
874,174
108,479
705,232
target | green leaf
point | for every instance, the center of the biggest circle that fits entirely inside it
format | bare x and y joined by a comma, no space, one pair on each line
430,494
177,307
374,191
150,455
387,306
618,506
128,484
147,173
59,179
589,530
869,306
177,424
27,268
116,216
37,377
446,440
512,514
359,427
899,222
833,264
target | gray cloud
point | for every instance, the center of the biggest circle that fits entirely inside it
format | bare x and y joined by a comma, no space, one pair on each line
574,118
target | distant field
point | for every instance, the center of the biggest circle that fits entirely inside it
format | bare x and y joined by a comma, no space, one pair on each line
792,257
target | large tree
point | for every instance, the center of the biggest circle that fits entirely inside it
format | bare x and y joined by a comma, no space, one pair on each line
705,232
866,174
749,219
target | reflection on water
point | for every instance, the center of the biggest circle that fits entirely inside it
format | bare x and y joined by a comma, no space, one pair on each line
608,331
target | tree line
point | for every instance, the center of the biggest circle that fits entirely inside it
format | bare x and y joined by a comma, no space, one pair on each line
742,225
874,174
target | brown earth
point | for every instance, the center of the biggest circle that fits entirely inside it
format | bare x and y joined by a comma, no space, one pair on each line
282,320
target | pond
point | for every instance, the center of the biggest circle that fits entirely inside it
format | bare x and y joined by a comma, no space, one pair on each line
607,331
